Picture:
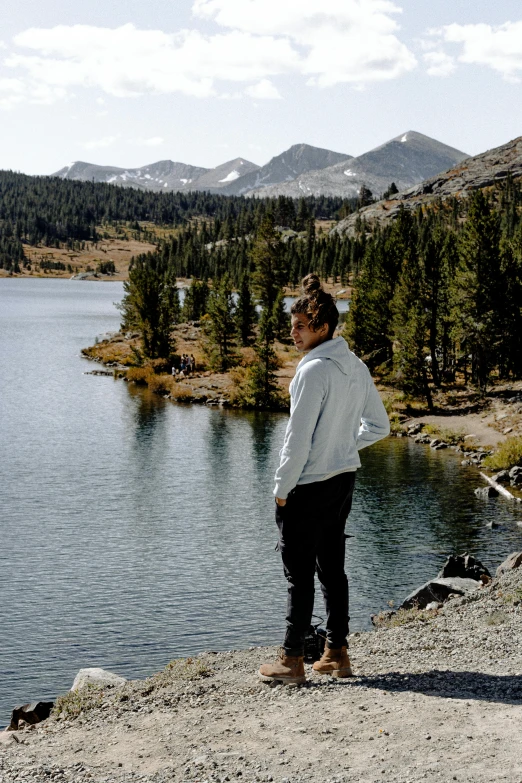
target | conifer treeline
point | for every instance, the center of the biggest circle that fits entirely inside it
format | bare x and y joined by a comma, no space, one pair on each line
436,292
54,212
440,290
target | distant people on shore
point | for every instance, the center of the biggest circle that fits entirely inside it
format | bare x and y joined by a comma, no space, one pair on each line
187,366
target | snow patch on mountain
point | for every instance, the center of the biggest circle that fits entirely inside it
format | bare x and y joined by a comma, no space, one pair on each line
231,176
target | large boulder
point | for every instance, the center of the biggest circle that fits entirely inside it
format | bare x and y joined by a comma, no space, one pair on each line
99,677
512,562
31,713
438,590
463,566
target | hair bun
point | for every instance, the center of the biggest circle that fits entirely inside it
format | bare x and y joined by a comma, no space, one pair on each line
311,284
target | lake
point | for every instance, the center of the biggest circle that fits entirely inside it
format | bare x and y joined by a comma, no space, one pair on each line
134,530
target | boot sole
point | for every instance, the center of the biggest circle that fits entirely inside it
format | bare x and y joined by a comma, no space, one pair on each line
337,673
283,680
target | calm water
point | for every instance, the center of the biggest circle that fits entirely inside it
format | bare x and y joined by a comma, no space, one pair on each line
134,530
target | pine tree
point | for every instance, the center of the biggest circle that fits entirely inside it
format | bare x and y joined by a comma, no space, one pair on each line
151,305
195,302
410,329
477,292
219,326
267,278
245,312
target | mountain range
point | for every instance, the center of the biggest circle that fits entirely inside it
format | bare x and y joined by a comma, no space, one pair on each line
302,170
479,171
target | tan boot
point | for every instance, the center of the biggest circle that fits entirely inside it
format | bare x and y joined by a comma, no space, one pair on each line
334,662
287,669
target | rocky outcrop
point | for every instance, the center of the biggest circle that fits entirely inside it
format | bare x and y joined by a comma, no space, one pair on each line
512,562
471,174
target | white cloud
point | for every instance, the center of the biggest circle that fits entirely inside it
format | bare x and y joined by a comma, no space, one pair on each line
263,90
154,141
498,47
353,41
15,91
126,62
339,40
106,141
439,63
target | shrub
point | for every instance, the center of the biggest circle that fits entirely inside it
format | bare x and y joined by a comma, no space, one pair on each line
395,422
507,455
181,393
139,375
71,704
160,384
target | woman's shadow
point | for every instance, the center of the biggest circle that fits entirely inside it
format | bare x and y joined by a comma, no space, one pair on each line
505,689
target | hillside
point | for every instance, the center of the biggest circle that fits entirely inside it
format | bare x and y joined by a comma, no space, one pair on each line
406,160
476,172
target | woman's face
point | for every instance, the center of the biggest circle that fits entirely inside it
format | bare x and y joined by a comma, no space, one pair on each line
303,336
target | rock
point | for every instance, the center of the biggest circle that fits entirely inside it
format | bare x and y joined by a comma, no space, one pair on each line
440,445
438,590
31,713
414,429
492,525
502,477
8,738
434,442
463,566
486,492
510,563
98,677
515,475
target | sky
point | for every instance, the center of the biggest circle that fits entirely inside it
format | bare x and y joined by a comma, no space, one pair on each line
128,82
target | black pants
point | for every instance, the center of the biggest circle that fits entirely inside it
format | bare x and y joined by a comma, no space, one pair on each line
311,538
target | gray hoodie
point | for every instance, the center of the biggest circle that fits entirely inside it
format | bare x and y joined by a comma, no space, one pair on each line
335,411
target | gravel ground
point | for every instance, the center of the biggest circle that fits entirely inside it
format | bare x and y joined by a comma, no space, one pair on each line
435,699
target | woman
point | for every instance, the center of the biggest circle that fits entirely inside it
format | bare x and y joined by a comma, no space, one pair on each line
335,411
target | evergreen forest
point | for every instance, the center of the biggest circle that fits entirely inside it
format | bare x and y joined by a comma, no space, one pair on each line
435,294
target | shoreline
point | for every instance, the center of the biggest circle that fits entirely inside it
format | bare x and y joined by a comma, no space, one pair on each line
461,418
438,698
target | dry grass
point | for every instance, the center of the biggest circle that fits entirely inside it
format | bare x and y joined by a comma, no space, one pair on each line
453,437
507,455
403,617
75,703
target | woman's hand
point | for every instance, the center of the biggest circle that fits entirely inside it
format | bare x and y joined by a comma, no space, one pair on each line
280,502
